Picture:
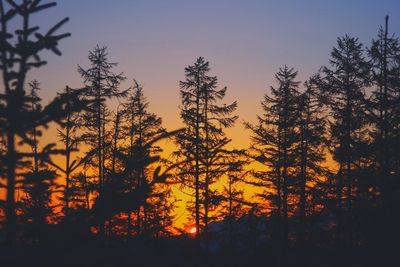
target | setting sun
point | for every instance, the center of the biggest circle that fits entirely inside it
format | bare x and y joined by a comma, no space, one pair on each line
192,231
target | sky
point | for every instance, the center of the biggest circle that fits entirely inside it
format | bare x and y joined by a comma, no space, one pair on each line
246,41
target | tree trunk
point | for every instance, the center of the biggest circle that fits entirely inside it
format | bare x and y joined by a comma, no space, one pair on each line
10,202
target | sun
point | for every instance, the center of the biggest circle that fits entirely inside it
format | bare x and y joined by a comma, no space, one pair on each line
192,230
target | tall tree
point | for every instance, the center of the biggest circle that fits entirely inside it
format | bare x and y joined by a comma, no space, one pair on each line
311,149
101,84
274,140
234,202
202,143
383,112
383,105
19,54
69,136
139,129
39,181
343,87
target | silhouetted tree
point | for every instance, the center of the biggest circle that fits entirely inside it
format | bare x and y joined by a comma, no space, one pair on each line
139,128
202,143
37,207
379,194
343,88
234,202
101,84
71,139
274,140
19,54
311,149
383,106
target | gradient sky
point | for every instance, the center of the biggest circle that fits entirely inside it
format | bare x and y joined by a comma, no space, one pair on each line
246,41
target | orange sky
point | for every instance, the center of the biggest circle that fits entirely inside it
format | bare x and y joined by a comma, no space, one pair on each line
246,41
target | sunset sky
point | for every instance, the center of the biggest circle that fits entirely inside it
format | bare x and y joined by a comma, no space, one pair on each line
246,41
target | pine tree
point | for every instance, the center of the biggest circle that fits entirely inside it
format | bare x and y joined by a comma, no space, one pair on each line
140,127
383,106
202,143
380,193
101,84
274,140
39,181
137,181
20,53
311,153
343,88
70,138
234,203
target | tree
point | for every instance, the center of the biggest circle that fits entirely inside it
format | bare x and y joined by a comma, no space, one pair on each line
138,180
311,152
343,88
383,111
19,54
37,208
234,202
274,140
101,84
140,127
202,143
39,182
71,139
380,194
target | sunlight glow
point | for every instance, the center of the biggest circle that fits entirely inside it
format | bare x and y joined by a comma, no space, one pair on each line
192,231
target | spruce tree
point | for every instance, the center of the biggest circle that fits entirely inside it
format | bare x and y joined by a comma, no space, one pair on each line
203,141
233,201
20,52
383,111
311,149
383,106
343,87
274,140
101,84
70,137
140,127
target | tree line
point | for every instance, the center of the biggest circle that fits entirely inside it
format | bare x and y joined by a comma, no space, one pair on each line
323,161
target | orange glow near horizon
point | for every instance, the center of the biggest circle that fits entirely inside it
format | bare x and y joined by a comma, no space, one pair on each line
193,231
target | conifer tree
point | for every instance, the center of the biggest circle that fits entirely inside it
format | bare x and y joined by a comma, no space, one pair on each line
69,136
101,84
137,183
234,203
39,182
274,140
343,87
140,127
311,152
202,143
379,194
383,106
20,53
